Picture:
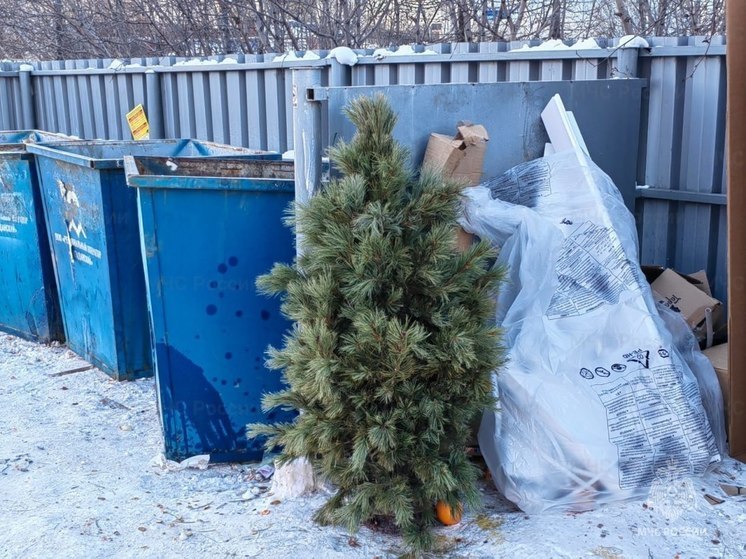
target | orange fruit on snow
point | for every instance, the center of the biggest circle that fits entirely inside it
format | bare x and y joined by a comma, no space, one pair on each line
447,515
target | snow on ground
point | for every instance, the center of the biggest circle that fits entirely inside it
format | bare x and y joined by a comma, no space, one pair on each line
78,479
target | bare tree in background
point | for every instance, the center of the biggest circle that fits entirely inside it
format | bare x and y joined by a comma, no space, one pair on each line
70,29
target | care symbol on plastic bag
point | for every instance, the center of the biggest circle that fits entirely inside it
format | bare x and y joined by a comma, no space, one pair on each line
639,356
586,373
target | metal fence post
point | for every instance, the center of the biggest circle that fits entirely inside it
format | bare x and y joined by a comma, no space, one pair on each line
28,120
338,74
626,62
307,132
154,104
306,137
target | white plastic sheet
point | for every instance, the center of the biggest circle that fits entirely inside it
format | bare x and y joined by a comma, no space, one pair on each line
598,398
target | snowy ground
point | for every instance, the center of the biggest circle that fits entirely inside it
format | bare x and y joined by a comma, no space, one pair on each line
77,479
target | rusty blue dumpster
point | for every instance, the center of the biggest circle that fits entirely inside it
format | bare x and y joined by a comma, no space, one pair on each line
93,231
208,229
29,306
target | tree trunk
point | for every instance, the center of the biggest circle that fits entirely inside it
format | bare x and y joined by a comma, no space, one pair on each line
623,14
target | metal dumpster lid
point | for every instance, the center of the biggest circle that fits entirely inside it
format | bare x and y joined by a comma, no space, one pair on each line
209,174
109,154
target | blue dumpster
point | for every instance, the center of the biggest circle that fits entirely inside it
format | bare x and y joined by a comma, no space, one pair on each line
29,306
92,220
207,232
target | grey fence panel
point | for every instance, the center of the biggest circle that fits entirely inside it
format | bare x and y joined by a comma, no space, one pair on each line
275,115
170,104
98,99
219,107
288,98
201,90
681,215
113,114
185,105
256,110
236,117
701,127
682,158
518,70
10,102
87,111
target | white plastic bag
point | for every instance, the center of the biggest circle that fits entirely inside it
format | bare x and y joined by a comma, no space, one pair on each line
597,399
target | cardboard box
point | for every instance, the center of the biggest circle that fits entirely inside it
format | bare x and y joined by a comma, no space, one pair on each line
704,284
718,356
687,295
736,153
460,157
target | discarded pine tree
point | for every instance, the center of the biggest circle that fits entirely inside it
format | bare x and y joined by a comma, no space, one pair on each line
394,343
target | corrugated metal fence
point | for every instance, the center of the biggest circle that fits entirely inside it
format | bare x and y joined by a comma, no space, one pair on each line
246,100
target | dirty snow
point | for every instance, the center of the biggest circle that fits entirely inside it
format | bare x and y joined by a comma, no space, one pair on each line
81,475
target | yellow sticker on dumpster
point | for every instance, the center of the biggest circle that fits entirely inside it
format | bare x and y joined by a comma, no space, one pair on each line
138,123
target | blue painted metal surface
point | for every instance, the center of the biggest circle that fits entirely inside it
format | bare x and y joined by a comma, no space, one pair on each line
94,236
29,305
206,237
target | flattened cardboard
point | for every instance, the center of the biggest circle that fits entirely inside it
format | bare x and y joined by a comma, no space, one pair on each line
736,151
652,273
704,284
675,292
718,356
